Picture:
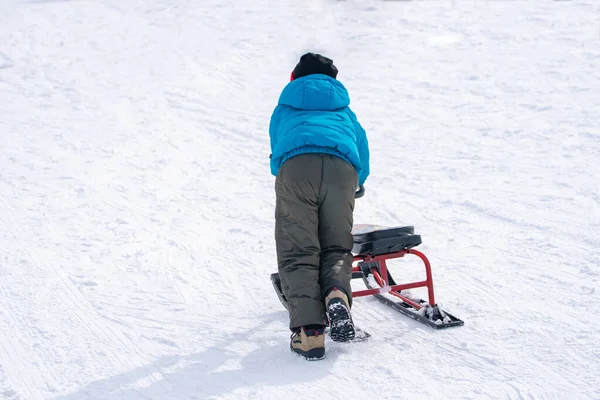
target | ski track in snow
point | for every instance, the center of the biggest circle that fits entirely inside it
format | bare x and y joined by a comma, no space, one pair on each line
136,204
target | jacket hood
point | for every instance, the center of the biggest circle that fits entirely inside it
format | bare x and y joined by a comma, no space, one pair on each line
315,92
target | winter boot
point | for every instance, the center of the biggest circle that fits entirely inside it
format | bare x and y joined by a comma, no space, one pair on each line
338,312
309,341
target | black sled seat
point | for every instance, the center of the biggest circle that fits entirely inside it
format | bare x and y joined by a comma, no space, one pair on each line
376,240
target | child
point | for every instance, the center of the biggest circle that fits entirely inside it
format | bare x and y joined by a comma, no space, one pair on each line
319,155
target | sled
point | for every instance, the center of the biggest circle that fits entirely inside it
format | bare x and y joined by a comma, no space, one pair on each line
373,246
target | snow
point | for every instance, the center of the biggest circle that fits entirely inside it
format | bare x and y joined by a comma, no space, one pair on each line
136,204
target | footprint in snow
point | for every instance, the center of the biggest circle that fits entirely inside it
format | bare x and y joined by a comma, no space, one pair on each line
5,62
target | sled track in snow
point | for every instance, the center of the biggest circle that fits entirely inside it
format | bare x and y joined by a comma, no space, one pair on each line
76,314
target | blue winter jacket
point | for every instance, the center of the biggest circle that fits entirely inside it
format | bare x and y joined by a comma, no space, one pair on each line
313,116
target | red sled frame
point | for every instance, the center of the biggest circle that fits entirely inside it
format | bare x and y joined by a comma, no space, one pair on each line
427,312
383,281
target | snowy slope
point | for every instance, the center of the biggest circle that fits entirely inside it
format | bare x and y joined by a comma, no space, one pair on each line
136,205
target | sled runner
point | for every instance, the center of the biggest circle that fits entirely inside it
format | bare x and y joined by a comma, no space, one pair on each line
373,246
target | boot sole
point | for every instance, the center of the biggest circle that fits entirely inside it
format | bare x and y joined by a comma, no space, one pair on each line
340,322
312,354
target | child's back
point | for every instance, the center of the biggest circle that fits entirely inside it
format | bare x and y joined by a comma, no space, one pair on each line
313,116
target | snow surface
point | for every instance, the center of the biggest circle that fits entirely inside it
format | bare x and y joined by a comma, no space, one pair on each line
136,203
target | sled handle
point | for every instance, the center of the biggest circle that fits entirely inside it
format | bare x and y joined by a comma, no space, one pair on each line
360,192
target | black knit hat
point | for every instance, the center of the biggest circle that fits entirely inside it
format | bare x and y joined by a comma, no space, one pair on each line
311,63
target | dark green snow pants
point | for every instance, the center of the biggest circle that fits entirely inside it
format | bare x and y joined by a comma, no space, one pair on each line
313,224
